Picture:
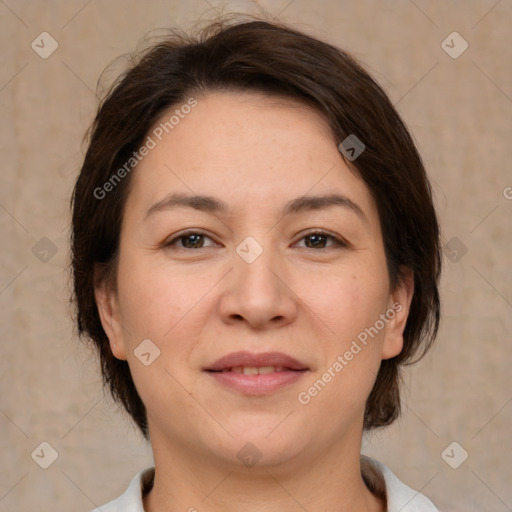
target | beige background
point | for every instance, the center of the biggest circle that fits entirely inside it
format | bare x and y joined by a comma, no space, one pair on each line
460,113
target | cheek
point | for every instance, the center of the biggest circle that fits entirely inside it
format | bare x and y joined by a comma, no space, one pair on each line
350,357
348,301
162,305
157,300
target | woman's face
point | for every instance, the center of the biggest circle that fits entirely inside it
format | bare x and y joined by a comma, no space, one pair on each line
246,236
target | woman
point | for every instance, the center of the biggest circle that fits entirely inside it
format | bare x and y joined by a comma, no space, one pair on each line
255,255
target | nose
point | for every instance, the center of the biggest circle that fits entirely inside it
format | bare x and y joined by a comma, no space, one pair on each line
259,293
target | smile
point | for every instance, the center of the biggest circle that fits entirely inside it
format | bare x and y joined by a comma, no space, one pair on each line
254,370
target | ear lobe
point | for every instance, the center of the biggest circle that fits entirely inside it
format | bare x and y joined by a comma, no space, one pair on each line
108,310
398,307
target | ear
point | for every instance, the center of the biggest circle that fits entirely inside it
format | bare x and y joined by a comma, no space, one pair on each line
397,313
108,309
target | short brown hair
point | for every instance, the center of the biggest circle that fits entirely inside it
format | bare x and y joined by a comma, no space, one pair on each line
274,59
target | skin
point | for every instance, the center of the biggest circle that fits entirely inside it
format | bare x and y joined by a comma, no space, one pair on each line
255,153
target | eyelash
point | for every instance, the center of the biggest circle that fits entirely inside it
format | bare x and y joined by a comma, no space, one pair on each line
336,240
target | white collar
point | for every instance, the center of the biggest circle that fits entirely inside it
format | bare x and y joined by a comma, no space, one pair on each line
400,498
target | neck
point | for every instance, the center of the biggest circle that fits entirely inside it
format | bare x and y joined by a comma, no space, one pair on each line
313,482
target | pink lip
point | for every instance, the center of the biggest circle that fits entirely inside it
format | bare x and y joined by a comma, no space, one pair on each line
256,384
256,360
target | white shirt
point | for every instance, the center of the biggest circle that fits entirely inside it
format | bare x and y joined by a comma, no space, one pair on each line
400,498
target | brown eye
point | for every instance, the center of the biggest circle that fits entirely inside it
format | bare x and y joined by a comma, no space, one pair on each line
191,240
320,240
315,241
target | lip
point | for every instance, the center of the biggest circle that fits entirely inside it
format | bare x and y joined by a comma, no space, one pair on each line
292,370
256,360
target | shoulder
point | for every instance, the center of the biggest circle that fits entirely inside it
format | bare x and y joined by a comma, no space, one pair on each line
131,499
400,497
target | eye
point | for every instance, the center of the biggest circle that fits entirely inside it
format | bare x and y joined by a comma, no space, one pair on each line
321,240
191,240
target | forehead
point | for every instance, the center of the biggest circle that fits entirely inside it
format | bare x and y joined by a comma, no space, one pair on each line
245,147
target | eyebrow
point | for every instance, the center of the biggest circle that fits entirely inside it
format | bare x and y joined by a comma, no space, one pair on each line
210,204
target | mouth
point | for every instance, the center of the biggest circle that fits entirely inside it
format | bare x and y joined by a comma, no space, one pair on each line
255,370
256,374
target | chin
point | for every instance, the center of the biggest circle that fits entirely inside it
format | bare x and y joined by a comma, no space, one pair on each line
264,441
